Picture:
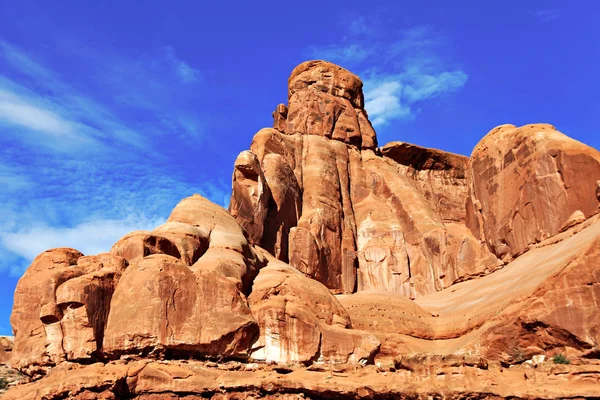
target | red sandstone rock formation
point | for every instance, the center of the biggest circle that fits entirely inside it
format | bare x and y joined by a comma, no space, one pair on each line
451,268
456,378
301,322
343,214
525,183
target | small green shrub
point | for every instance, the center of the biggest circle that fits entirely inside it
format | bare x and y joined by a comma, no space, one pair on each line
560,359
3,383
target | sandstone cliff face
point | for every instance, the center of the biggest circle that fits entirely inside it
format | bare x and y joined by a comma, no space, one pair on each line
343,214
443,266
545,301
440,176
525,183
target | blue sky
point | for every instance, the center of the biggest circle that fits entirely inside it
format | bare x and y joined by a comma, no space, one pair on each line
110,113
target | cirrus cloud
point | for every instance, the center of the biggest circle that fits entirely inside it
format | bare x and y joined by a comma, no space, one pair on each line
412,69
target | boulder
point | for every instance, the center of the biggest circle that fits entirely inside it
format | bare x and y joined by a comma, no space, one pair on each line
178,240
280,117
197,310
576,218
162,305
65,318
525,183
301,321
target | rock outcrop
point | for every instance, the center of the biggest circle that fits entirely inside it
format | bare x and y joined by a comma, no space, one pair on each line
195,309
525,183
301,322
342,213
191,380
327,100
335,255
542,302
178,291
65,317
441,177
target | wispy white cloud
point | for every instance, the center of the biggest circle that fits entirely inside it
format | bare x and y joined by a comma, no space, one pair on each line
412,72
19,111
53,203
69,115
11,180
95,150
19,59
383,101
546,15
90,237
414,43
183,70
360,27
424,86
411,69
53,113
391,97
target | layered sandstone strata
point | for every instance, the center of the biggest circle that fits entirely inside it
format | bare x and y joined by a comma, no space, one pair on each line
449,378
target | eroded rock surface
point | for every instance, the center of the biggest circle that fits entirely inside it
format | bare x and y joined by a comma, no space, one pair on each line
442,378
302,322
536,304
342,213
327,100
448,270
178,291
525,184
440,176
61,307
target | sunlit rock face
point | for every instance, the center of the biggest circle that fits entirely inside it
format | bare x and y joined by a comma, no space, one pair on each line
61,307
180,290
335,251
302,322
525,183
342,211
191,304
